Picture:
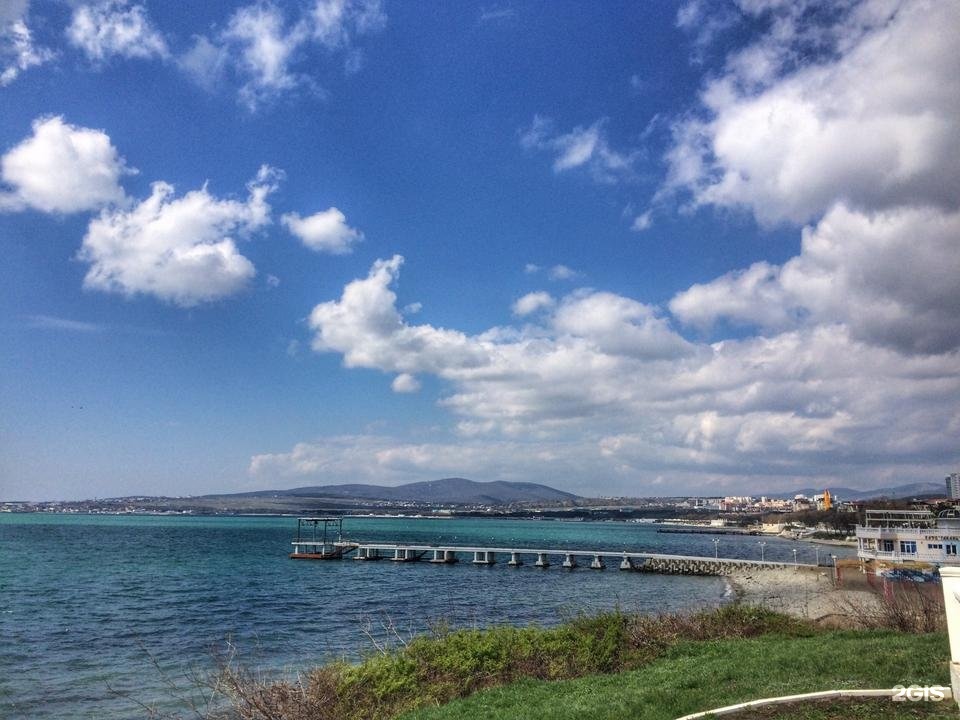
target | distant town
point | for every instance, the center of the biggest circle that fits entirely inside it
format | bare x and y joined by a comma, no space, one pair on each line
826,513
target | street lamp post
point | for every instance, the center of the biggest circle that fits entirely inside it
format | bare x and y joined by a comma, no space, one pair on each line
794,557
761,544
716,547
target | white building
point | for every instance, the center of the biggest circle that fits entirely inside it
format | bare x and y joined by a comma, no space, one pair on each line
899,536
953,486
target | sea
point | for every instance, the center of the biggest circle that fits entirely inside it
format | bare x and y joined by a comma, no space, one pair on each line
111,615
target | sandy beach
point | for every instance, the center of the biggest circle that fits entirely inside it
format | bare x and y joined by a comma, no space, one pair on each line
801,592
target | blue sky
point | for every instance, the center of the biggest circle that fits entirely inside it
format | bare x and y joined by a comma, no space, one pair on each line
620,248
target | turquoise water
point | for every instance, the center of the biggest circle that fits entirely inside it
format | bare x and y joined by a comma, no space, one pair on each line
96,607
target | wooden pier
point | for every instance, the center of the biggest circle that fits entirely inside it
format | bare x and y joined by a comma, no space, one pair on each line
544,558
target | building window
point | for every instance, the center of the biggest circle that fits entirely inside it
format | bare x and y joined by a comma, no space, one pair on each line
934,546
888,546
950,549
908,547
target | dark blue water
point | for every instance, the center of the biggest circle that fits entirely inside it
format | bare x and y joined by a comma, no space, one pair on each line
97,612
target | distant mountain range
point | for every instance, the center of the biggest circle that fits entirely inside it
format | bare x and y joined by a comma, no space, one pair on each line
900,491
447,491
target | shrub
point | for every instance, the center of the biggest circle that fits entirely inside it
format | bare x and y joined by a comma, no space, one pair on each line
432,670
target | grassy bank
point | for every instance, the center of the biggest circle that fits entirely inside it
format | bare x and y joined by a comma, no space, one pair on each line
695,676
608,666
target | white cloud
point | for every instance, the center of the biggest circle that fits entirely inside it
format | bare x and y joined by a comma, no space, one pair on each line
562,272
890,277
179,250
751,296
205,62
405,383
642,222
604,379
326,231
114,27
873,126
367,328
62,168
49,322
495,12
18,52
591,332
532,302
337,22
265,49
581,147
616,325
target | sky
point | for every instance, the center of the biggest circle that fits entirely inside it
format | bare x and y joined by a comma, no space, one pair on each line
619,248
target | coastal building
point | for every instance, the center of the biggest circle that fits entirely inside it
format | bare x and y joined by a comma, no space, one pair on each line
953,486
824,501
910,536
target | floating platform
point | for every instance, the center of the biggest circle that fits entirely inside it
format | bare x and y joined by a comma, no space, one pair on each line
318,538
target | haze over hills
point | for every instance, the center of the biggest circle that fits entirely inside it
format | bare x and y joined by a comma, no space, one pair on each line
447,491
899,491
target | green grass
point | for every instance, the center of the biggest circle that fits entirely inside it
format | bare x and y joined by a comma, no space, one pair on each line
609,666
857,710
694,676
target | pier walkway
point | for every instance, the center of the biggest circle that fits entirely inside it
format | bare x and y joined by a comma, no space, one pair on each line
543,558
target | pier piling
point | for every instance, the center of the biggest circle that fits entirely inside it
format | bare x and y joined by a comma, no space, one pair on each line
635,561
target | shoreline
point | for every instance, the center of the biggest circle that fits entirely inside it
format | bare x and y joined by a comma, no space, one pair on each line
801,592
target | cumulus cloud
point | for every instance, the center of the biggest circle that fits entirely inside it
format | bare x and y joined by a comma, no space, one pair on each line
752,296
367,328
62,168
849,124
18,51
605,388
326,231
873,125
616,325
581,147
115,28
604,378
890,277
177,249
532,302
506,379
405,383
